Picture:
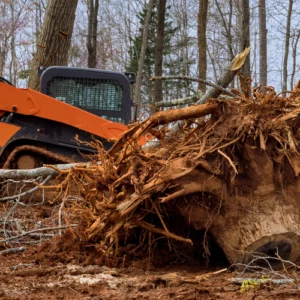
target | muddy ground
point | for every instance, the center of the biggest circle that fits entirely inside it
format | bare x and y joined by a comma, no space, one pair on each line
28,276
64,270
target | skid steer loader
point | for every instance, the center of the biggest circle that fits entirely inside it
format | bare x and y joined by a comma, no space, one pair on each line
40,127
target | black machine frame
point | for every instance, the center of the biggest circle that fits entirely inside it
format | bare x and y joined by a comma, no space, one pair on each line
123,80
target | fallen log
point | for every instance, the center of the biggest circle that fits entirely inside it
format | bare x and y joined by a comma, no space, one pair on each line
271,229
21,174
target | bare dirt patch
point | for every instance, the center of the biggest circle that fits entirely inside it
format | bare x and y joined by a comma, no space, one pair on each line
26,276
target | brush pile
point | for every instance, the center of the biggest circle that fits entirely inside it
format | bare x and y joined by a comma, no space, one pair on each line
232,170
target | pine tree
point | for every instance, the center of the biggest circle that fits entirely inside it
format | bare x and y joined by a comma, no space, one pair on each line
170,30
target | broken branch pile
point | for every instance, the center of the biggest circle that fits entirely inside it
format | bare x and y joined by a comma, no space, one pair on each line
231,170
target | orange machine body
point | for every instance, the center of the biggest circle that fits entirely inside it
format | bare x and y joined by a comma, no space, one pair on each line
37,109
73,102
30,102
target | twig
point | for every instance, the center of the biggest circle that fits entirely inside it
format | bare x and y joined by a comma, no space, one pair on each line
60,216
12,250
240,280
33,231
6,217
38,172
163,232
26,192
160,217
21,265
229,160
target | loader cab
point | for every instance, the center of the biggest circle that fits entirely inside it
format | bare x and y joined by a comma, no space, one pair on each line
103,93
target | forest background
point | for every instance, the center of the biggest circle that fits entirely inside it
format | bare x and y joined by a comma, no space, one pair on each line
195,38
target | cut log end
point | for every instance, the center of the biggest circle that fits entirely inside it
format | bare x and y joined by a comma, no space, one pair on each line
276,252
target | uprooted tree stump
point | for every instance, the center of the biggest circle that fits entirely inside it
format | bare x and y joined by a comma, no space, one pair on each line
232,170
233,173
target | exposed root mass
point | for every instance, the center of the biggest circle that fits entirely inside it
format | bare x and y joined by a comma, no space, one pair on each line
231,161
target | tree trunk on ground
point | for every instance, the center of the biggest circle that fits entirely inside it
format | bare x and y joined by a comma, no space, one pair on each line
92,33
139,75
264,230
245,43
159,45
202,44
263,65
255,217
55,38
287,45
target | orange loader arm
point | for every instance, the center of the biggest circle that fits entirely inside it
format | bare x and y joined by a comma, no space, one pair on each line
30,102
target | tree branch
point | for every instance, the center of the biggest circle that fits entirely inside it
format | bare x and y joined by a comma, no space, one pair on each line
191,99
33,231
26,192
34,173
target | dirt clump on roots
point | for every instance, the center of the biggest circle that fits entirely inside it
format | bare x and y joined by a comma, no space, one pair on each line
231,172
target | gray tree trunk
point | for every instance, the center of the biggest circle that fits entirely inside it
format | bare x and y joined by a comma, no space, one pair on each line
55,38
287,45
3,40
202,44
92,33
13,62
137,92
294,48
227,27
263,65
245,41
157,93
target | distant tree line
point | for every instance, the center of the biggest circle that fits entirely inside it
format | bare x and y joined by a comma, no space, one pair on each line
188,37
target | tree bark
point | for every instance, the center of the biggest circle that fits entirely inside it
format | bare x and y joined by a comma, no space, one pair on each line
202,44
139,76
13,63
287,45
227,27
157,93
20,174
55,38
254,219
3,40
262,231
92,33
245,42
263,64
294,48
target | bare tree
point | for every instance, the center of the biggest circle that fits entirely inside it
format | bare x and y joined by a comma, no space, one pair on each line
13,62
295,41
12,18
287,45
139,76
55,38
202,44
159,47
4,38
244,17
263,63
92,33
227,27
